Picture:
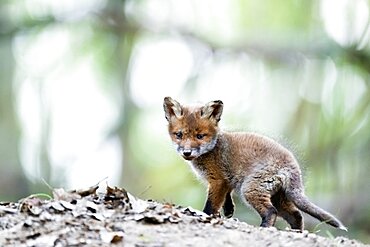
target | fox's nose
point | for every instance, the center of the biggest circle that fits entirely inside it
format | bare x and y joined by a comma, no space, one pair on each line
186,153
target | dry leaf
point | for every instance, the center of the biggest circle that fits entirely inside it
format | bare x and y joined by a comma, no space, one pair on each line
86,192
57,206
67,205
111,237
8,210
61,194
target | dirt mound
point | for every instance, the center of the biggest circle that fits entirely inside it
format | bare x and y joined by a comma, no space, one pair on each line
115,217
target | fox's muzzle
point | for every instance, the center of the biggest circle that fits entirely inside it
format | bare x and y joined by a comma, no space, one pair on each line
188,153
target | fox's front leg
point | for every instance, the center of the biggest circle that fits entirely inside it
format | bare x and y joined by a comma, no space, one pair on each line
228,205
217,191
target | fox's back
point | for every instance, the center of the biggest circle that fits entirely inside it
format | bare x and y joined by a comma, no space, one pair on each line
250,148
246,152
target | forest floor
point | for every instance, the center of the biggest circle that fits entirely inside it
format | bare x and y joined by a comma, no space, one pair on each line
116,218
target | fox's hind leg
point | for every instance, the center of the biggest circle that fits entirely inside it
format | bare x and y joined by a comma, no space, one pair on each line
288,211
258,190
262,204
260,199
293,216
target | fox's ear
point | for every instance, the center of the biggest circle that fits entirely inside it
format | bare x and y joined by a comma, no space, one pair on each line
172,108
213,110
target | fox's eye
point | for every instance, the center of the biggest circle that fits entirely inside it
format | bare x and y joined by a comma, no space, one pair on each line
200,136
178,135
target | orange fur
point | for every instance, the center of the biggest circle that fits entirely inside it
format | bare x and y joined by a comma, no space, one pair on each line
263,172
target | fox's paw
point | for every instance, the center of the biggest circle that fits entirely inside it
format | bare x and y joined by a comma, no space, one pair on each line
216,215
229,214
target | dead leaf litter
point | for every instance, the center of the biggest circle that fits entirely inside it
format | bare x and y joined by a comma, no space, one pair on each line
116,218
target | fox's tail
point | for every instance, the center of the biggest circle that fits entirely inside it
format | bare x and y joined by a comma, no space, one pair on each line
302,202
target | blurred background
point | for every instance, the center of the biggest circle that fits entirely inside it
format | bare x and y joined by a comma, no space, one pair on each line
82,85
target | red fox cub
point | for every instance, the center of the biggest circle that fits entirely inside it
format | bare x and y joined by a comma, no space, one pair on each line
260,170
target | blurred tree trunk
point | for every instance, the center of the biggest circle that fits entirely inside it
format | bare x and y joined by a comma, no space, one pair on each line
129,113
13,183
125,33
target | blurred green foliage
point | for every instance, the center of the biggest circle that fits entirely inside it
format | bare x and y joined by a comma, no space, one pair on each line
286,70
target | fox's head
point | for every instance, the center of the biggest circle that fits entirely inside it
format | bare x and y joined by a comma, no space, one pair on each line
193,130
